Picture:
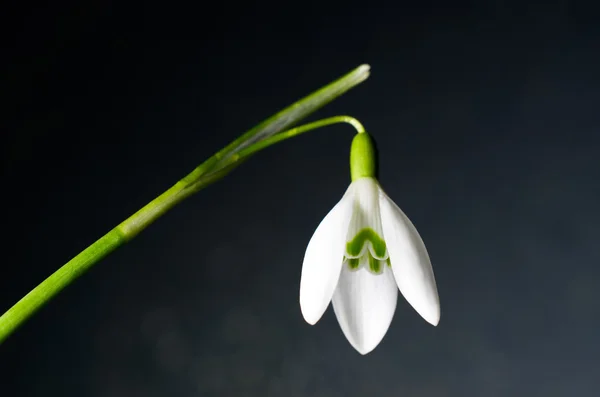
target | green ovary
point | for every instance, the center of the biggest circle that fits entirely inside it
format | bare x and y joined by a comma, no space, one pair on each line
355,246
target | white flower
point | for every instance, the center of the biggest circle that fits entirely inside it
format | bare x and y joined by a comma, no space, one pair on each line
363,251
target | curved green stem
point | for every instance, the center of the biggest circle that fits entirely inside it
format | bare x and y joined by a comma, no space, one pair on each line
213,169
290,115
300,130
238,158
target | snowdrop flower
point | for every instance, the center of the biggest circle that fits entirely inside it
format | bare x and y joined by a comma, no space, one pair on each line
362,252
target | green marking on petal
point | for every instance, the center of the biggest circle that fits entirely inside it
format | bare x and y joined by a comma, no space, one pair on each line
375,265
354,247
353,263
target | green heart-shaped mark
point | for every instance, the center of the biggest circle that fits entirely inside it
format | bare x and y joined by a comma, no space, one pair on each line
355,246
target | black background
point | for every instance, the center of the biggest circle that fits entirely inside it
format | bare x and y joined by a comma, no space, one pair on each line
485,116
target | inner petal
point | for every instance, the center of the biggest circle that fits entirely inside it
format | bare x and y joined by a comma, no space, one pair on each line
365,231
367,261
366,238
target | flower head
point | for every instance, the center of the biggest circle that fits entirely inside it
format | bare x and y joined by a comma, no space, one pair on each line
362,252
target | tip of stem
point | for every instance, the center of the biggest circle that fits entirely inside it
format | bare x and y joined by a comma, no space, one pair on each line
365,67
363,72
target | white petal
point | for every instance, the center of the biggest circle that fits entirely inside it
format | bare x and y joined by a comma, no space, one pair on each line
409,259
323,260
364,305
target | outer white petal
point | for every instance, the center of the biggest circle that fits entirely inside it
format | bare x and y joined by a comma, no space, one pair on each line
323,259
409,259
364,305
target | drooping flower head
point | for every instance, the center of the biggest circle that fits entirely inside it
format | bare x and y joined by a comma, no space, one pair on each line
362,252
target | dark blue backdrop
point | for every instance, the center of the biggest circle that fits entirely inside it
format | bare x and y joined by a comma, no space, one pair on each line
485,116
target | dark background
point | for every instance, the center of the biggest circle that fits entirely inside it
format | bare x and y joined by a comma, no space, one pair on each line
485,116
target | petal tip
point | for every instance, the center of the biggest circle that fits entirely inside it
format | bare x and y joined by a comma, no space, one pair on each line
311,320
362,347
434,322
312,309
432,316
311,316
363,350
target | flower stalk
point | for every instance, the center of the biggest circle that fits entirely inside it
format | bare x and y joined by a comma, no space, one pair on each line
216,167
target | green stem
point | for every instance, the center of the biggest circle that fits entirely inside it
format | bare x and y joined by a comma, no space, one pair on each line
118,236
300,130
286,118
24,308
207,173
